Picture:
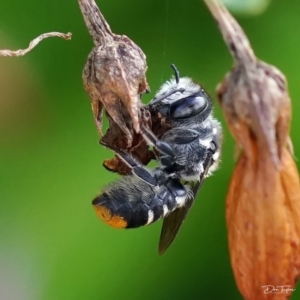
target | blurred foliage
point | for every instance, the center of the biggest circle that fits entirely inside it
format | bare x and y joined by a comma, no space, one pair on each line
52,246
247,7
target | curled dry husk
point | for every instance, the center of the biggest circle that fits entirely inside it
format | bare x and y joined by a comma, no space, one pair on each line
114,77
263,202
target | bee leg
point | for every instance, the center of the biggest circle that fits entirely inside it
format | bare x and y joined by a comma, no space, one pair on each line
137,168
168,159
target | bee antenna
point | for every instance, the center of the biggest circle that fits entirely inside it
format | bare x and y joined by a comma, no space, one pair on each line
177,77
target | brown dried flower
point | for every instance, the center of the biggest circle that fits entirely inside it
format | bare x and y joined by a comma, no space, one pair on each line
114,77
263,202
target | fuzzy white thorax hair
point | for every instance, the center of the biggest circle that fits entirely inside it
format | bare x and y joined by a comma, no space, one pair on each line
185,83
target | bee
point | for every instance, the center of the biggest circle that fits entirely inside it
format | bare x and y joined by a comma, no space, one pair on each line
188,152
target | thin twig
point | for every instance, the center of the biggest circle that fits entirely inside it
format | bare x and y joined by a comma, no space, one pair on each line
22,52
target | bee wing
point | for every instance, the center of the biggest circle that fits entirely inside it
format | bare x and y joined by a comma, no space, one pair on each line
171,226
174,220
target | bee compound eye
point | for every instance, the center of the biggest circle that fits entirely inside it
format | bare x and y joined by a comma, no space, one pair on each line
188,107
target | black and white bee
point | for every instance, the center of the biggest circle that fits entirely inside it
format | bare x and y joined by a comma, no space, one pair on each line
188,152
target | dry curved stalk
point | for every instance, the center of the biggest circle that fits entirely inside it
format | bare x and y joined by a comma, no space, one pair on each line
263,202
33,43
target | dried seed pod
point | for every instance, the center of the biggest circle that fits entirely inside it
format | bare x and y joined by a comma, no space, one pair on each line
263,202
114,77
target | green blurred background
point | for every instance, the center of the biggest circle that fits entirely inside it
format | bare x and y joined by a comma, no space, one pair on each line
52,245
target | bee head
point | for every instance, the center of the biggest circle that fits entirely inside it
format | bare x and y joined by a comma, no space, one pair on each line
181,99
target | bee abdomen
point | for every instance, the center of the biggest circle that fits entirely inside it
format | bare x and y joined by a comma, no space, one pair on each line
118,213
132,207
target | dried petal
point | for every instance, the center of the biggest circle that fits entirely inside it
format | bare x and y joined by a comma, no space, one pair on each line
139,149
